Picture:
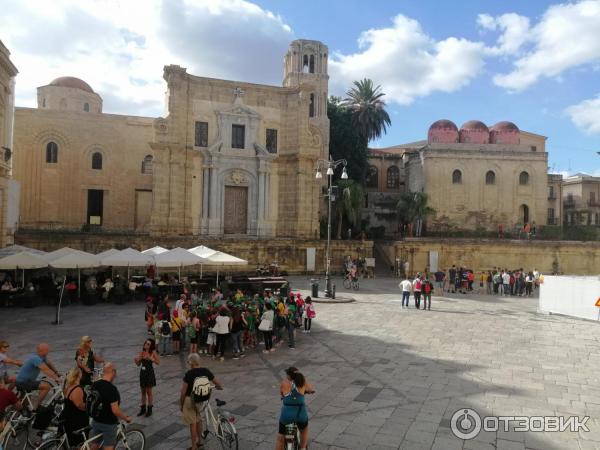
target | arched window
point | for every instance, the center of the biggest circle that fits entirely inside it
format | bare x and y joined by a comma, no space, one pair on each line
305,64
311,67
86,107
490,177
524,178
97,161
457,177
52,153
393,177
372,177
147,164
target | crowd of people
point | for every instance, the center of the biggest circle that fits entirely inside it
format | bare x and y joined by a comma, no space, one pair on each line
497,281
204,327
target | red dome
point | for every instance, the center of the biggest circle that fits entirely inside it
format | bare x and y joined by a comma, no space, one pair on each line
72,82
505,133
443,131
474,132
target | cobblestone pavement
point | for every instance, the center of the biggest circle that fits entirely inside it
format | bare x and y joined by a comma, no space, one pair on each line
386,377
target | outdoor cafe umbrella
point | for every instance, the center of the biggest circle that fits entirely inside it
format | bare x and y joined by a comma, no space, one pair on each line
155,250
127,258
105,253
23,260
178,257
14,249
203,252
224,259
68,258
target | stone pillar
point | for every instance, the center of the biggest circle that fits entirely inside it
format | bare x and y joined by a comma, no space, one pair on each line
214,221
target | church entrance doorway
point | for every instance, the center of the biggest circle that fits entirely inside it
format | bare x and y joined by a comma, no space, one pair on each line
235,210
524,213
95,206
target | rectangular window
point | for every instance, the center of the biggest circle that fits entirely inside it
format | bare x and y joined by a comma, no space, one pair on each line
550,192
592,197
271,140
237,136
550,213
201,134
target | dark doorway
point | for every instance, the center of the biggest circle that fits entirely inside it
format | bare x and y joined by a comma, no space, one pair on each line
524,213
95,206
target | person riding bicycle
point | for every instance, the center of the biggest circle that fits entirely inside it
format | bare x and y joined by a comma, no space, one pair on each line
354,274
293,409
27,378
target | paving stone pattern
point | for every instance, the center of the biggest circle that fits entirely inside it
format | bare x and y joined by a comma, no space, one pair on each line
386,377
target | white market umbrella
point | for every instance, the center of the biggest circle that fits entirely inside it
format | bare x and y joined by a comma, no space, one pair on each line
178,257
23,260
128,258
203,252
14,249
51,256
155,250
74,259
224,259
105,253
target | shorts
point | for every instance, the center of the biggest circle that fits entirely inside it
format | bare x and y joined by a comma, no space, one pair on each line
301,426
28,386
108,432
176,335
211,339
192,412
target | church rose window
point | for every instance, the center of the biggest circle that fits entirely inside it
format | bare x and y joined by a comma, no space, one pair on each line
52,153
271,140
238,136
201,134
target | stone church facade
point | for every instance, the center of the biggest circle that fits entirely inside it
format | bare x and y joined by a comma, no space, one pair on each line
229,158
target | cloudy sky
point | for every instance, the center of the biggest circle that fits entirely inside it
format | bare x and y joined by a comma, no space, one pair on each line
535,63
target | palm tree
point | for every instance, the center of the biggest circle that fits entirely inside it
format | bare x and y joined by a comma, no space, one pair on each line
412,207
348,205
368,109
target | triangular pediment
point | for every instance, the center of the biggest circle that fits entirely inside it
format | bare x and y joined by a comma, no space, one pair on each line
240,110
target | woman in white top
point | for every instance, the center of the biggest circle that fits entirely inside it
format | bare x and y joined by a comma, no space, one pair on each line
266,326
222,328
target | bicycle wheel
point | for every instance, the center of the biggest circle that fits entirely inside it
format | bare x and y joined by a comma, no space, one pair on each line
230,437
16,439
347,283
54,444
356,286
133,440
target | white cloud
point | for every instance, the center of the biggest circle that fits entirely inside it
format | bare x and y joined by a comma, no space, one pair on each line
567,36
586,115
514,32
407,62
120,48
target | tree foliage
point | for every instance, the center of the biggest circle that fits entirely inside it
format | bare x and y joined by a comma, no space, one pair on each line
413,207
348,205
369,116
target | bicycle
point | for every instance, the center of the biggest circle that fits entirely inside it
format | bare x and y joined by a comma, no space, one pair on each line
15,434
292,437
127,439
349,283
222,425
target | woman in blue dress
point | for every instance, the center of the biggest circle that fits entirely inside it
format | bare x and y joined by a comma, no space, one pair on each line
293,409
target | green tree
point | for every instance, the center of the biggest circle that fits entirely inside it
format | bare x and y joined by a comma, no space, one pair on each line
348,205
345,142
414,210
369,116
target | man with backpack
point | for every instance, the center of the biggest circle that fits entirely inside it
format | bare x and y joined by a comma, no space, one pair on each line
194,395
417,290
102,405
427,289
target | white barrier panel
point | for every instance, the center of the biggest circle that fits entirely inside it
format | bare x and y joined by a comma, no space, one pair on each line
571,296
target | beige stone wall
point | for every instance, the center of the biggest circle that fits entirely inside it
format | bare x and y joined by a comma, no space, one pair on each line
289,253
8,73
68,99
472,203
576,258
581,197
383,162
55,195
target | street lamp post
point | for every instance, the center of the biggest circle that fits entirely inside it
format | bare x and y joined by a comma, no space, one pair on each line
331,165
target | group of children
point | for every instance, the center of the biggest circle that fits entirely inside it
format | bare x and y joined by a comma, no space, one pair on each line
208,325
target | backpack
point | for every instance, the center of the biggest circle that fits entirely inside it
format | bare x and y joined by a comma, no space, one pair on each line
165,328
418,285
310,312
191,331
427,288
201,389
93,402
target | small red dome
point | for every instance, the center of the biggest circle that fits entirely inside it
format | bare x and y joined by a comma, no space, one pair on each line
474,132
443,131
72,82
505,133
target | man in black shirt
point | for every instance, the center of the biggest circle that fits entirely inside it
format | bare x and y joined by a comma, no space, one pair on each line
192,412
106,422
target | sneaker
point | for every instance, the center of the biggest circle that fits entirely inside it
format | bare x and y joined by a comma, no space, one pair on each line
272,350
243,355
291,347
265,351
236,357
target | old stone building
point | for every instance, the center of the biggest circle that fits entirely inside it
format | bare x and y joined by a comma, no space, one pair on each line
80,167
8,73
234,158
476,177
581,199
229,158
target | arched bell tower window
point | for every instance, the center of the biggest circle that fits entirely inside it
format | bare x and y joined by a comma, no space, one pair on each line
51,153
311,67
305,64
